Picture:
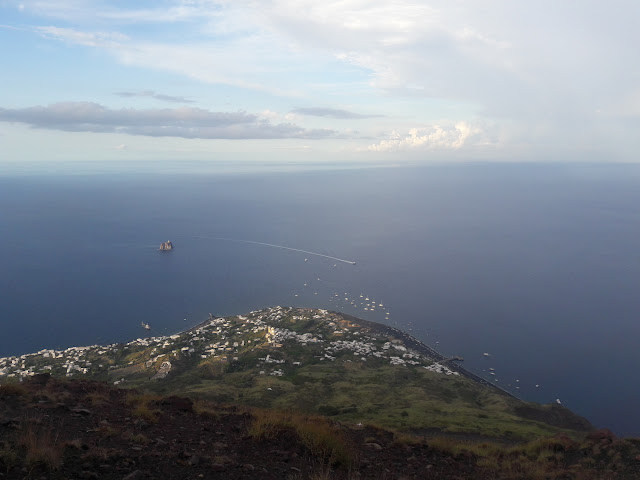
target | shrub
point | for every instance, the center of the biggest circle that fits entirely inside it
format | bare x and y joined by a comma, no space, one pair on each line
12,389
42,447
205,409
97,399
8,457
141,404
137,438
324,442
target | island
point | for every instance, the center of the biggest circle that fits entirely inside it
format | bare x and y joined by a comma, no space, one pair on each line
166,246
291,393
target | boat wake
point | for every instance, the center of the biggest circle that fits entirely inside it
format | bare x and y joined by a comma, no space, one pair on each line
350,262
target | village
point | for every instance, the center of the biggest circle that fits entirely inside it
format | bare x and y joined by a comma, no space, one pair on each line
271,341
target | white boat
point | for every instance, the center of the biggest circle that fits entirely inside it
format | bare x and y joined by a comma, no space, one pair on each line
145,326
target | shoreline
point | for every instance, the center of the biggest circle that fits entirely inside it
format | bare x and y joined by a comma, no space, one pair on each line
423,348
408,339
386,330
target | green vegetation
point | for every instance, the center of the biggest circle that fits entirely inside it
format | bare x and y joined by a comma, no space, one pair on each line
557,457
394,397
143,406
323,441
125,429
41,445
312,362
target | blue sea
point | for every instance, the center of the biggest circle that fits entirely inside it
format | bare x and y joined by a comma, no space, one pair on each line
536,265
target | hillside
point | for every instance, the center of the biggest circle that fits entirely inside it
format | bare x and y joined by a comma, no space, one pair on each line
312,362
58,428
284,393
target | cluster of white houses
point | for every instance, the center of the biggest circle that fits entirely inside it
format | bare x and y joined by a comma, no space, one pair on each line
226,339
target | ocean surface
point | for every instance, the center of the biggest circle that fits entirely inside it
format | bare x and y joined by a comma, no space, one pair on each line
536,265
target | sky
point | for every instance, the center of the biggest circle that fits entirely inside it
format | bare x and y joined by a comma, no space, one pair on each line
365,81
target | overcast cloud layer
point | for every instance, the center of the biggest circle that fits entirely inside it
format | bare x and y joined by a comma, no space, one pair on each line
375,77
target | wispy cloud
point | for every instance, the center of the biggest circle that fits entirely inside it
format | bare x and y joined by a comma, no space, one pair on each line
237,62
88,10
185,122
87,39
156,96
331,113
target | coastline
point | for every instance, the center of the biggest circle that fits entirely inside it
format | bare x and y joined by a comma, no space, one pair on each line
385,330
408,339
421,347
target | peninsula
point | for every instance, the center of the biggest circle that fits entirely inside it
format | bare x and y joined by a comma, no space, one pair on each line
284,392
310,360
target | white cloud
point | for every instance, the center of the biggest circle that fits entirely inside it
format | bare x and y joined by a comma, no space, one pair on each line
515,59
97,11
434,137
542,69
240,62
87,39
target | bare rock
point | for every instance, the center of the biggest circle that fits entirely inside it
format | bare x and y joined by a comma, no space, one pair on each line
135,475
166,246
80,411
603,436
178,403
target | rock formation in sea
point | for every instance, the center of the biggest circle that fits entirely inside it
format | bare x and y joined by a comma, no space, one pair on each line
165,246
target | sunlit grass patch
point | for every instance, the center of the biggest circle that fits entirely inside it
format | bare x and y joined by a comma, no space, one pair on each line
142,406
137,438
324,441
205,408
97,399
41,446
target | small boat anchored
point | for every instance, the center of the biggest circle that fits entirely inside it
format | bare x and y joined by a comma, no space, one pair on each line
145,326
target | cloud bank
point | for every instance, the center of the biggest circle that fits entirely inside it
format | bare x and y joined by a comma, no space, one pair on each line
435,137
184,122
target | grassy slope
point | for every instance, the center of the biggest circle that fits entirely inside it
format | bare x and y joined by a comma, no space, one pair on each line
391,396
404,398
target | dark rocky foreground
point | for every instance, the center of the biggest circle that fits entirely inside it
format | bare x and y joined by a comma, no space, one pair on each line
64,429
83,429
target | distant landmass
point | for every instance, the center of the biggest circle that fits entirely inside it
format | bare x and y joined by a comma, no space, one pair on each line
166,246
